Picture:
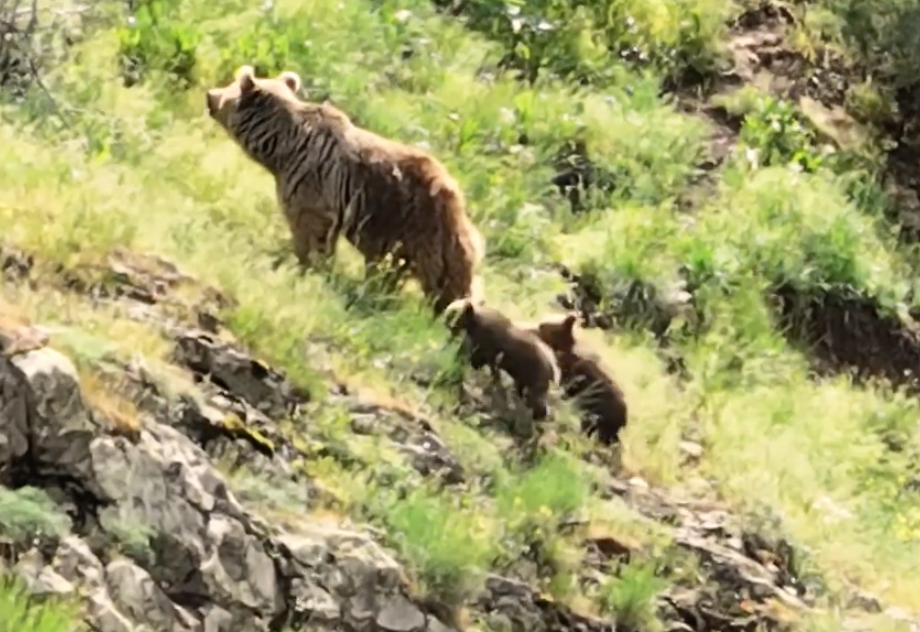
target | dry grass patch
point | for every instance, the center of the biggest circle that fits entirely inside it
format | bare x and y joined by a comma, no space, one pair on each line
17,335
88,332
102,396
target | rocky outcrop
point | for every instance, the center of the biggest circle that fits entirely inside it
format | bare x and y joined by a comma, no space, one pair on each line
209,564
201,561
159,538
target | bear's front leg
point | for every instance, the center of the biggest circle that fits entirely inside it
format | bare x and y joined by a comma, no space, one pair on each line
313,237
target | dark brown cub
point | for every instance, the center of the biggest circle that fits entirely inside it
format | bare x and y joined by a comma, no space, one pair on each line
585,379
491,339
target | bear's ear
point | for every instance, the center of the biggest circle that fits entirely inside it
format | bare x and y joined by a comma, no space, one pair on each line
458,310
291,79
455,306
246,77
568,325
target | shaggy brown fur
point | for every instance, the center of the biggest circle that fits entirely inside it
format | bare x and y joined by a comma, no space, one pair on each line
584,378
491,339
333,177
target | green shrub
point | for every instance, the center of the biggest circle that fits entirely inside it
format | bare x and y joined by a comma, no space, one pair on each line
541,496
773,128
449,547
580,40
131,536
883,33
632,597
28,513
155,38
265,46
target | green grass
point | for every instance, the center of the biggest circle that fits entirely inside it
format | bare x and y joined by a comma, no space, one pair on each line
142,168
631,597
22,613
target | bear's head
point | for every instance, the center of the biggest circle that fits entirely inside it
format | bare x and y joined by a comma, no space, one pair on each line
227,103
558,334
460,315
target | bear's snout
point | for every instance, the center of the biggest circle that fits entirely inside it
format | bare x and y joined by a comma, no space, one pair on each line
213,99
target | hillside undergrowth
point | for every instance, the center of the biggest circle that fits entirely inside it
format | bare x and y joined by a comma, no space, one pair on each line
135,165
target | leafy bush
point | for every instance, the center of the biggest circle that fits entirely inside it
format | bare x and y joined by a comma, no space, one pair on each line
131,536
775,131
538,498
531,505
768,226
265,45
156,39
884,34
632,597
575,40
28,513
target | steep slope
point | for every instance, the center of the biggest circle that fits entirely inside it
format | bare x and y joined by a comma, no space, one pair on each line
247,441
112,493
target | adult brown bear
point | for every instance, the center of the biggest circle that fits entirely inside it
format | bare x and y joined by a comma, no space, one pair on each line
334,178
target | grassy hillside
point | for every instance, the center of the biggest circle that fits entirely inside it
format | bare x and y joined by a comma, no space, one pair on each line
786,219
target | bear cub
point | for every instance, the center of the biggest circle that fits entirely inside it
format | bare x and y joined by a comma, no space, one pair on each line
491,339
584,378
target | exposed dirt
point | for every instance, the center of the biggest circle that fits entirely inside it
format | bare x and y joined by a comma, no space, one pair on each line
693,91
637,304
849,334
761,55
154,288
717,148
903,177
578,177
841,332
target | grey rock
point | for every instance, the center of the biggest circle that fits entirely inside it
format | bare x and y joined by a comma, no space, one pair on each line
412,434
213,565
50,583
103,615
76,562
138,597
216,619
510,604
230,413
260,386
17,405
400,615
864,601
